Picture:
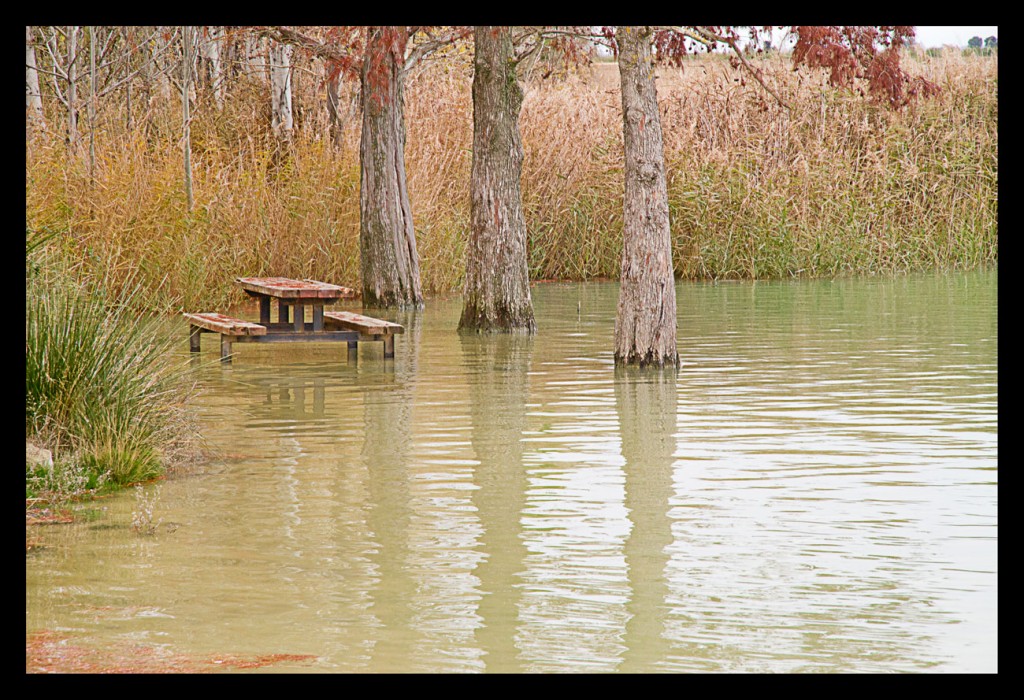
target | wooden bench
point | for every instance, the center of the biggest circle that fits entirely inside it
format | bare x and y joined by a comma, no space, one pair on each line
228,328
369,328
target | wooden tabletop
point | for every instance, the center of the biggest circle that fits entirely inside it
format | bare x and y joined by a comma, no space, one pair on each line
285,288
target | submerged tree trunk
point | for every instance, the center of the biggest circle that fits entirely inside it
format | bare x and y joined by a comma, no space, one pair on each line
497,289
645,326
387,242
33,98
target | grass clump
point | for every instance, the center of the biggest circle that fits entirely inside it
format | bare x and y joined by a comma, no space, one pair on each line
103,389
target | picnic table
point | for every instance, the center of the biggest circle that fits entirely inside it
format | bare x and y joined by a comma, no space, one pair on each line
293,296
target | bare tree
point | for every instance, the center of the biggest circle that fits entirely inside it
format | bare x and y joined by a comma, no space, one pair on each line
162,45
186,78
339,109
33,98
211,48
71,75
281,90
92,104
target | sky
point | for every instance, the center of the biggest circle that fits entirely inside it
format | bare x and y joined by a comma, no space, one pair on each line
937,36
927,36
957,36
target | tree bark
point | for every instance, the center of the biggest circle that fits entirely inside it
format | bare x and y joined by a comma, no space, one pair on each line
645,325
33,97
281,90
72,40
387,241
186,75
92,104
335,115
161,48
497,288
211,51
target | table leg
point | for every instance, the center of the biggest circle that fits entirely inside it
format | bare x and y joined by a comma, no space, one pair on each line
318,317
193,338
300,317
389,345
282,311
264,310
225,348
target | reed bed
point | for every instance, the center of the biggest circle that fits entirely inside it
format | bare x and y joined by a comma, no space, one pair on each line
831,184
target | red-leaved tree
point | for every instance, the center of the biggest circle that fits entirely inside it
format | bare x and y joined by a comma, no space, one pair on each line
863,58
381,57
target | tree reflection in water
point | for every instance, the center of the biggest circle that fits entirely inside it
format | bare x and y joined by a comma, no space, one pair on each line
645,401
497,368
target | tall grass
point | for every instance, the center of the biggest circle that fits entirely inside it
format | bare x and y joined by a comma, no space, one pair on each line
102,388
830,185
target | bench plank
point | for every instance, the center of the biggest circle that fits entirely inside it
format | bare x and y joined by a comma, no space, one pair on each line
364,324
219,323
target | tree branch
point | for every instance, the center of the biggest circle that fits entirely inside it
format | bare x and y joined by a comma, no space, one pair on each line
318,48
421,51
707,37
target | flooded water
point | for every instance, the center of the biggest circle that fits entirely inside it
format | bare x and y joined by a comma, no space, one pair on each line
815,490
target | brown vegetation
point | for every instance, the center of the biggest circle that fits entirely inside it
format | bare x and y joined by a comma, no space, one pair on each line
834,184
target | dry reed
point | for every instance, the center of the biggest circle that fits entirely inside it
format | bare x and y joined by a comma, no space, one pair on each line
831,185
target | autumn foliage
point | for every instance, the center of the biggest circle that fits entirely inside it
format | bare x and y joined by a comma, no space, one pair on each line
861,53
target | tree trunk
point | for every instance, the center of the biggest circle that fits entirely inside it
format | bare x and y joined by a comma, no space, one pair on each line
645,326
33,98
186,75
251,64
211,51
497,289
92,105
387,242
72,36
161,48
335,120
281,91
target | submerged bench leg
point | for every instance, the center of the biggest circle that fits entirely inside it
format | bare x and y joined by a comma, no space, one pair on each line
193,338
353,349
225,348
389,346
